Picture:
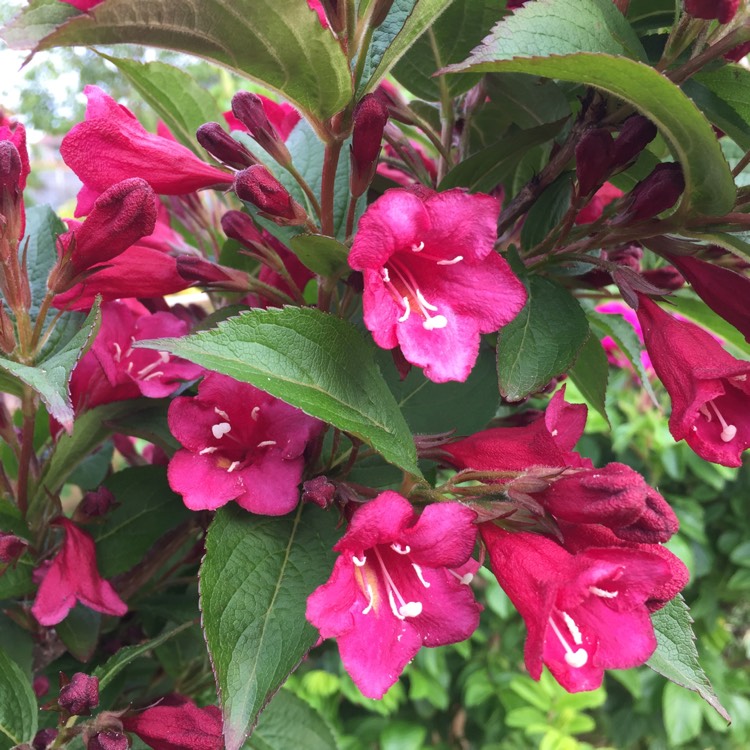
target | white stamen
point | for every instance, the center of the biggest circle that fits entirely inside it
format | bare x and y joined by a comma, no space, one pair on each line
602,593
418,571
465,579
221,429
129,368
739,378
221,413
407,609
705,412
729,431
266,444
118,351
407,310
370,600
424,302
411,609
149,368
554,433
130,348
417,248
359,563
575,659
573,628
396,611
384,273
233,466
210,449
153,375
254,413
451,262
438,321
164,357
401,550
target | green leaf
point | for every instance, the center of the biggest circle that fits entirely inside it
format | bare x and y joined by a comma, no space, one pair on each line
115,664
406,21
464,407
16,579
36,21
524,100
280,44
709,183
590,374
737,242
51,376
288,721
724,95
18,710
255,579
460,28
542,341
314,361
40,244
79,631
486,169
325,256
683,715
147,510
173,94
676,657
547,212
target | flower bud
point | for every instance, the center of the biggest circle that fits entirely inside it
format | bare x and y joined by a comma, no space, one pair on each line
380,9
248,109
593,159
200,271
7,334
722,10
44,738
258,186
239,226
109,739
10,169
370,117
635,134
737,53
220,144
666,277
319,491
96,503
80,695
654,194
11,547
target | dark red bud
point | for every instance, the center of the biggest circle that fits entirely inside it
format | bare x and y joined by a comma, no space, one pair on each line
380,9
109,739
10,169
7,333
319,491
44,738
370,118
239,226
220,144
722,10
80,695
11,547
666,277
593,160
654,194
248,109
258,186
205,273
41,686
737,53
96,503
635,134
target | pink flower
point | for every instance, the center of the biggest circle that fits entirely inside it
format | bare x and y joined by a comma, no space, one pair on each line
595,207
112,370
433,282
239,444
110,145
584,612
395,588
281,115
83,5
709,388
72,576
177,724
614,355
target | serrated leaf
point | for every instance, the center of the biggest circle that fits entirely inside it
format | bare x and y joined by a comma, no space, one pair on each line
280,44
547,212
590,373
325,256
406,21
724,95
524,100
51,376
34,22
485,170
173,94
462,26
254,582
584,41
40,243
147,510
79,631
736,242
314,361
115,664
542,341
18,710
287,722
676,657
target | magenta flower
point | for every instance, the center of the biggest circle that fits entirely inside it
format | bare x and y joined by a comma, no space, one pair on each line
709,388
433,282
595,207
397,585
585,612
110,145
72,576
239,444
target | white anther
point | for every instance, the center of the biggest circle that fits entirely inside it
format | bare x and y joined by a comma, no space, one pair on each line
602,593
118,351
221,413
233,466
739,378
417,248
210,449
221,429
575,659
407,310
370,600
554,433
411,609
418,571
359,563
451,262
254,413
149,368
573,628
465,579
401,550
424,302
728,431
266,444
438,321
164,356
384,273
